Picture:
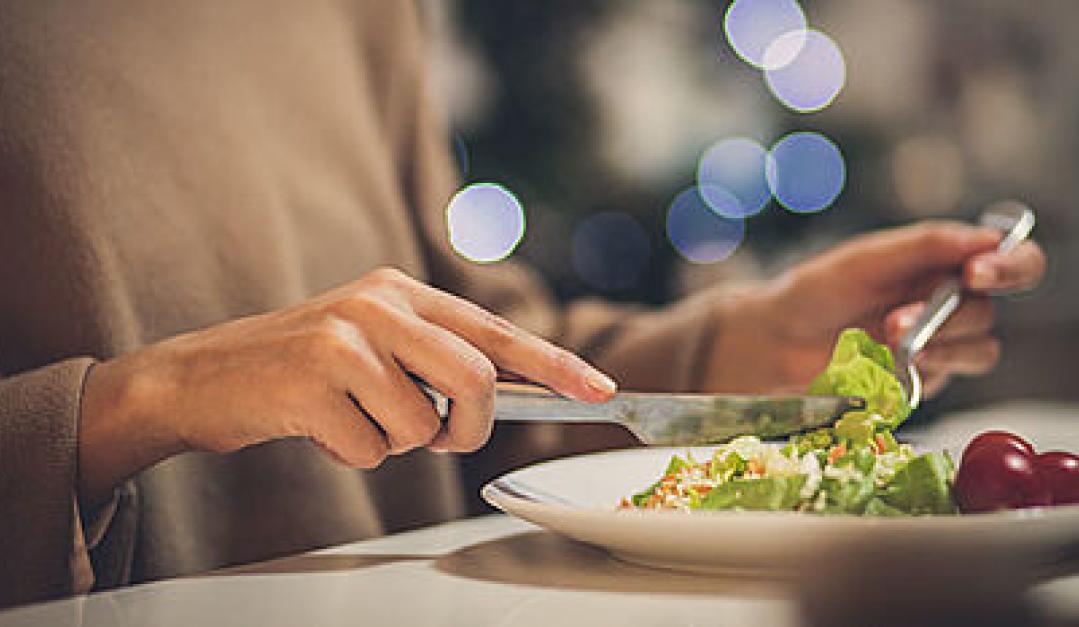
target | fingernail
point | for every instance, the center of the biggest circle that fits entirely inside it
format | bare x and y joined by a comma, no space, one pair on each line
983,274
438,449
601,383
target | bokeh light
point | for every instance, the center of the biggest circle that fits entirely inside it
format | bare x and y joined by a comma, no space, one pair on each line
697,232
485,222
610,251
734,169
813,79
806,172
752,26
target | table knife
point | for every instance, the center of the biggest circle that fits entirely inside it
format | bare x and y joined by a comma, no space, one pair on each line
659,419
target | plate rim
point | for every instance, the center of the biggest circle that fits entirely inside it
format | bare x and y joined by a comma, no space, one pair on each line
494,490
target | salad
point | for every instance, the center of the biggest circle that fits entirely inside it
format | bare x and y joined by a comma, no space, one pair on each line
854,467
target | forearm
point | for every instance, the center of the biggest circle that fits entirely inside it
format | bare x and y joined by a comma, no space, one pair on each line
119,432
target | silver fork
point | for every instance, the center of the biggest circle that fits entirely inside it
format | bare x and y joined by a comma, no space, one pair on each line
1016,221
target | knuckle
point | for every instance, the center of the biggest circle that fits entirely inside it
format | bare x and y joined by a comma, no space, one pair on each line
387,276
467,445
332,339
365,305
478,377
926,230
359,453
323,340
371,457
473,442
939,236
502,332
369,450
415,433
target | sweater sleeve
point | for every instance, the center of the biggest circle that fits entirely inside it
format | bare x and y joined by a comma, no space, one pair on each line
42,539
643,348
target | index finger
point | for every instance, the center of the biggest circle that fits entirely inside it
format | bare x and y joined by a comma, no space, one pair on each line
513,348
920,248
884,265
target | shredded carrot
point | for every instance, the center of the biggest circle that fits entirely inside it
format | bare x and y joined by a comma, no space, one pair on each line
836,453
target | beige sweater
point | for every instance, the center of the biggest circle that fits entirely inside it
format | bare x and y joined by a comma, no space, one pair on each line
165,166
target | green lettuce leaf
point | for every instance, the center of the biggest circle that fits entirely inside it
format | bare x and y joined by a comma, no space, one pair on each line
847,496
923,486
816,440
856,426
877,507
862,367
766,493
676,464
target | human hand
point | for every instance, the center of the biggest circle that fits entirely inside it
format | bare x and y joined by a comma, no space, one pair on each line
878,282
334,369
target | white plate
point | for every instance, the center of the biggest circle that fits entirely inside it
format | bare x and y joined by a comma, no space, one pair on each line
578,497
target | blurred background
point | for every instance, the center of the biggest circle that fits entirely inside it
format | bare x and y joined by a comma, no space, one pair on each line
639,149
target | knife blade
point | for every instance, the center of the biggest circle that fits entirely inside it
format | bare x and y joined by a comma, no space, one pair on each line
658,419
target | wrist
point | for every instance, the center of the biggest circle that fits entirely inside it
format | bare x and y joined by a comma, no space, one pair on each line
121,427
754,350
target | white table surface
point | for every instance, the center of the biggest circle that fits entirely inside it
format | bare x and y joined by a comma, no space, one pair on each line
487,571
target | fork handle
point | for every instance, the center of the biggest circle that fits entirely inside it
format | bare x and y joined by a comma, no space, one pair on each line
943,302
1016,220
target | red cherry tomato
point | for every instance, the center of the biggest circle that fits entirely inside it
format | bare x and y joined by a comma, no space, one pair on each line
993,477
1060,472
998,439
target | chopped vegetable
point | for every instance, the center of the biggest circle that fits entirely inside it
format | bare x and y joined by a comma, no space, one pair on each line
922,486
862,367
767,493
856,467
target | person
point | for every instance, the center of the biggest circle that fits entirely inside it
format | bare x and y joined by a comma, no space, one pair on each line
223,232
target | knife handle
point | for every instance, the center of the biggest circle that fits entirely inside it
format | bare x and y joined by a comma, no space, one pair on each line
529,401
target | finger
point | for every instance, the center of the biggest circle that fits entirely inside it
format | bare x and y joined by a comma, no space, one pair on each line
347,435
966,357
899,254
972,319
1020,269
514,349
366,369
458,370
933,383
397,405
